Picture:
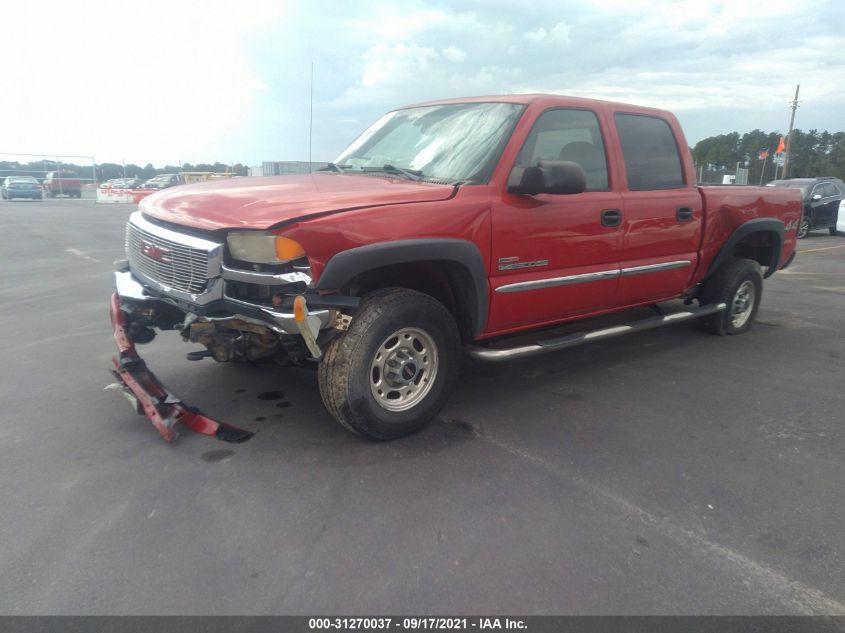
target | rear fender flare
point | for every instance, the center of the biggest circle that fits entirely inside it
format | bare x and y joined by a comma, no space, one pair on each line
347,265
759,225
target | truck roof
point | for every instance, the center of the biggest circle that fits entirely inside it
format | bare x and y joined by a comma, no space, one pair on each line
546,101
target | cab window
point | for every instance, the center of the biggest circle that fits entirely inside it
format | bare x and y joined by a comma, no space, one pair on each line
652,159
572,135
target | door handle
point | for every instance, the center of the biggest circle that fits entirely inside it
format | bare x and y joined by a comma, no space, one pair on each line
611,217
683,214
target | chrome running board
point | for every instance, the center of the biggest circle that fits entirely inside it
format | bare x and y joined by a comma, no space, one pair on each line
579,338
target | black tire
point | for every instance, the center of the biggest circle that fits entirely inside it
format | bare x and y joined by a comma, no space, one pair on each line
348,377
832,230
724,287
803,228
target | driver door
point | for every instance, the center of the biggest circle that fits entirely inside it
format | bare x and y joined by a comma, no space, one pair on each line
557,256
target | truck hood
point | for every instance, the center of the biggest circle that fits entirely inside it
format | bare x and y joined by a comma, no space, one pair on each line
264,202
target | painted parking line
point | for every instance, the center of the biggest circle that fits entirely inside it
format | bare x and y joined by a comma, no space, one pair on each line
817,250
78,253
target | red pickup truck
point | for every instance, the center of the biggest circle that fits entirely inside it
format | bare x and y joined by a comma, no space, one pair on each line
444,228
62,183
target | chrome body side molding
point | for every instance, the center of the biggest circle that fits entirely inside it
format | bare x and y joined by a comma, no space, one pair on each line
537,284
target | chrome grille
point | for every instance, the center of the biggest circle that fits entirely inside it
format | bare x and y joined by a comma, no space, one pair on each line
172,264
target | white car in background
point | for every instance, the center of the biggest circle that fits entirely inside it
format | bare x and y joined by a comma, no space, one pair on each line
840,217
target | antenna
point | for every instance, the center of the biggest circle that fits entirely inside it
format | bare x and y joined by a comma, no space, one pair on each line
311,118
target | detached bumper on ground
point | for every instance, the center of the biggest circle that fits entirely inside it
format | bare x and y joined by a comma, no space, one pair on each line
149,397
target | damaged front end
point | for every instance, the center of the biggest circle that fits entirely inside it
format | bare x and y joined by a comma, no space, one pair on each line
188,283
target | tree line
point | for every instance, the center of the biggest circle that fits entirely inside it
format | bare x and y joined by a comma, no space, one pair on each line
811,153
109,171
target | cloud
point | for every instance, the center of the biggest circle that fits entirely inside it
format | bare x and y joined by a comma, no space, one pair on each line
453,54
536,36
559,33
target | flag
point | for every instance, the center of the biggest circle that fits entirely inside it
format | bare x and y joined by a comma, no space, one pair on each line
763,155
781,147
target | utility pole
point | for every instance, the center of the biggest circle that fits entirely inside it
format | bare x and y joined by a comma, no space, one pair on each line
789,134
311,117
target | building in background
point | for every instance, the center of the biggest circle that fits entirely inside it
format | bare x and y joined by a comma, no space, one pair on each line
285,167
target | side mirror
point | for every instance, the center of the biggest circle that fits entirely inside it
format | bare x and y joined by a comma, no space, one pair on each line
816,196
557,177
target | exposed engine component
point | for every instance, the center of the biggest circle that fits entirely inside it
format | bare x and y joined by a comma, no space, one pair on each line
232,339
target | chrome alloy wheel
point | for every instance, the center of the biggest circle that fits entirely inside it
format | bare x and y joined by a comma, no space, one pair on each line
742,304
404,369
803,228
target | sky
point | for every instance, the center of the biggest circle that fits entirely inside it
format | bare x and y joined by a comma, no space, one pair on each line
168,82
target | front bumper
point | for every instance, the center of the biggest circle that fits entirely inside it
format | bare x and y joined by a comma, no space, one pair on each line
148,395
219,307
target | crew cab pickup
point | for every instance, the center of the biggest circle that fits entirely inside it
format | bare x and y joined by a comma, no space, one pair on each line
442,230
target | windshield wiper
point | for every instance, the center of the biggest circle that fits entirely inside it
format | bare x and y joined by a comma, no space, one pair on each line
410,174
335,167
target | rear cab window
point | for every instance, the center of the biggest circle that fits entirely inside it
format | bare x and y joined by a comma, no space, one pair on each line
650,152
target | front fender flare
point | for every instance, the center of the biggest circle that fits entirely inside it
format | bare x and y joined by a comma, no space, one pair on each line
347,265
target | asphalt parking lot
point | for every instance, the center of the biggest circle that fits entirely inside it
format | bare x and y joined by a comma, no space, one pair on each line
670,472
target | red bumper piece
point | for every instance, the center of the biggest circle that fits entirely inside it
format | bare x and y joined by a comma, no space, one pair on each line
148,395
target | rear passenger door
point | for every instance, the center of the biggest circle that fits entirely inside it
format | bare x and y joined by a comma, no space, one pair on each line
662,212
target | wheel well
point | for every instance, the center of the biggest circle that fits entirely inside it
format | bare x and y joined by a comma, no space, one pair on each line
448,282
760,246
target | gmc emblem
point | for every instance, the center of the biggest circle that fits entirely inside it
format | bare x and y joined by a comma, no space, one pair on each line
155,252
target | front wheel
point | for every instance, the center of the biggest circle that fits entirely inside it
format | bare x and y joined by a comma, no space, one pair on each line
393,370
832,230
803,228
738,283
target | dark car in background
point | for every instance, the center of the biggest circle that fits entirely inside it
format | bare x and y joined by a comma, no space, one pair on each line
163,181
20,187
821,201
62,183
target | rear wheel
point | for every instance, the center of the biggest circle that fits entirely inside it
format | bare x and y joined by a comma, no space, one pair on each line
738,283
832,230
393,370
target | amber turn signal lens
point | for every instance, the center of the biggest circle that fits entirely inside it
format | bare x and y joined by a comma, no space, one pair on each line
287,249
299,309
